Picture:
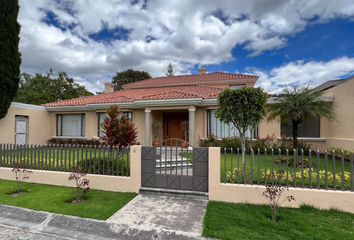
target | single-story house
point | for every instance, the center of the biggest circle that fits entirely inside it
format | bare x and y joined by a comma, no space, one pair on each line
171,100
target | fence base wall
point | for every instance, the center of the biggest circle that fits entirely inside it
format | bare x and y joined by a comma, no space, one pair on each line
249,194
99,182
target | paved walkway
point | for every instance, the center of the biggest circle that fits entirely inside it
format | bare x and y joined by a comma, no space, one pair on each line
145,217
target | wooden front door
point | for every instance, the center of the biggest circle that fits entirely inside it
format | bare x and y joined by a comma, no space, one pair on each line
172,126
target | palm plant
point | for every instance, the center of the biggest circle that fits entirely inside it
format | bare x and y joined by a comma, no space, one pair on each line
299,104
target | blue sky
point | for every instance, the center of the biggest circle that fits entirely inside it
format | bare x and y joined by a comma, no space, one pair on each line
281,41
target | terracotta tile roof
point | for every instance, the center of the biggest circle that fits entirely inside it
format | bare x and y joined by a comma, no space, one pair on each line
190,79
130,95
169,95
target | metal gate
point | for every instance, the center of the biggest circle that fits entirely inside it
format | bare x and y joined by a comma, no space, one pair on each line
177,166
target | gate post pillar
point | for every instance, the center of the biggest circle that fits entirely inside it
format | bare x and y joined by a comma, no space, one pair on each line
191,125
147,127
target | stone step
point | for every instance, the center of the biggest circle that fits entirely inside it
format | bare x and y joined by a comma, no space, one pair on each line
174,193
169,165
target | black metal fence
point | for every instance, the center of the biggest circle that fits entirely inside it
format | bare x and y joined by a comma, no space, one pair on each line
298,169
103,160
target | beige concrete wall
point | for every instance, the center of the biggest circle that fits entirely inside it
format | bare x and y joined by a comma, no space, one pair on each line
200,124
269,128
139,121
100,182
38,125
247,193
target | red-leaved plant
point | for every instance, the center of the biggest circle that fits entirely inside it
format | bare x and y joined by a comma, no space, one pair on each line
118,129
21,174
273,193
82,185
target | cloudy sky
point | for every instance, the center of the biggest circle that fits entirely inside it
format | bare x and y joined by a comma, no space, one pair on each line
280,41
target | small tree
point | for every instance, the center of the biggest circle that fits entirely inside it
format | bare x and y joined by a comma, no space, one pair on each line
156,129
273,193
170,72
244,108
298,104
118,129
185,129
21,174
82,185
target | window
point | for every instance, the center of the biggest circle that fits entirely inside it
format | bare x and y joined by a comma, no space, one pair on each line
237,86
71,125
225,130
304,129
102,116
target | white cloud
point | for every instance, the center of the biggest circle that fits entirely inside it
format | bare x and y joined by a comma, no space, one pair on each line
184,33
303,72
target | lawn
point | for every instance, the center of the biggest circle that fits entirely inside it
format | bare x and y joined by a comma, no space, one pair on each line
249,221
98,204
65,158
270,164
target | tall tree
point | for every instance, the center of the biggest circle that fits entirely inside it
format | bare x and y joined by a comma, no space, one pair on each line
10,57
299,104
52,87
170,72
244,108
128,76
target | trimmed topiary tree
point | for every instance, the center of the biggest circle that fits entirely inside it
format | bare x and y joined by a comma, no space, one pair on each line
10,57
244,108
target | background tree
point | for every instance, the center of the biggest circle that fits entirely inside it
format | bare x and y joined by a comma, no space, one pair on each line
117,129
128,76
40,89
299,104
10,57
170,72
244,108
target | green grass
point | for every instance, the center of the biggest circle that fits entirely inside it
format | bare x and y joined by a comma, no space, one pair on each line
98,204
62,159
269,163
249,221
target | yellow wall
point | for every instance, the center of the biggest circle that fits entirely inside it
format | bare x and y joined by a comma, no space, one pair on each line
38,125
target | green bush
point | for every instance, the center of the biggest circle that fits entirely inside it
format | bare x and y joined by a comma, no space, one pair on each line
268,143
104,166
338,152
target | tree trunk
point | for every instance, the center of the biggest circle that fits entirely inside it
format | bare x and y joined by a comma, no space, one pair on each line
243,146
295,143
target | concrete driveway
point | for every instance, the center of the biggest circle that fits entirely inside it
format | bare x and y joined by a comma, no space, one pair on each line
145,217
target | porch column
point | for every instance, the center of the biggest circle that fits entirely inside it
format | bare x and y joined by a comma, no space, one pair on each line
147,127
191,125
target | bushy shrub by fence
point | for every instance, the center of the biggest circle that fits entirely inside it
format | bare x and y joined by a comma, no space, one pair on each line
269,142
90,142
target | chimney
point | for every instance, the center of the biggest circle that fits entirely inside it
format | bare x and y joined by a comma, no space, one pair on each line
202,70
108,87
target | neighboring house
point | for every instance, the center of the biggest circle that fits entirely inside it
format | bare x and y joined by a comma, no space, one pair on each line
171,100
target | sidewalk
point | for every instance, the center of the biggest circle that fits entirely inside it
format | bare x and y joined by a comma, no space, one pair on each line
145,217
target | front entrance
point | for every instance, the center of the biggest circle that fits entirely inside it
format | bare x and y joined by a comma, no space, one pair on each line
170,167
172,126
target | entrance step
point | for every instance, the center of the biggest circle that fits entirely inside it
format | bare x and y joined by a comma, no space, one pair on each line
174,193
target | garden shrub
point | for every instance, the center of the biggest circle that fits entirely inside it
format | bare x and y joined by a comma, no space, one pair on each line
269,143
104,166
338,152
90,142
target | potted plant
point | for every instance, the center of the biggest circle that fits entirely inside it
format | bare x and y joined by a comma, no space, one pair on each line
185,129
156,130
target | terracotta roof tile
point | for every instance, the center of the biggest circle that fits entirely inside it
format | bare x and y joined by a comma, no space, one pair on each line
197,78
129,95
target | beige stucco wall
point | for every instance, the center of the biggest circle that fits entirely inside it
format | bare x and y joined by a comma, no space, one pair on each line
100,182
228,85
38,125
248,193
